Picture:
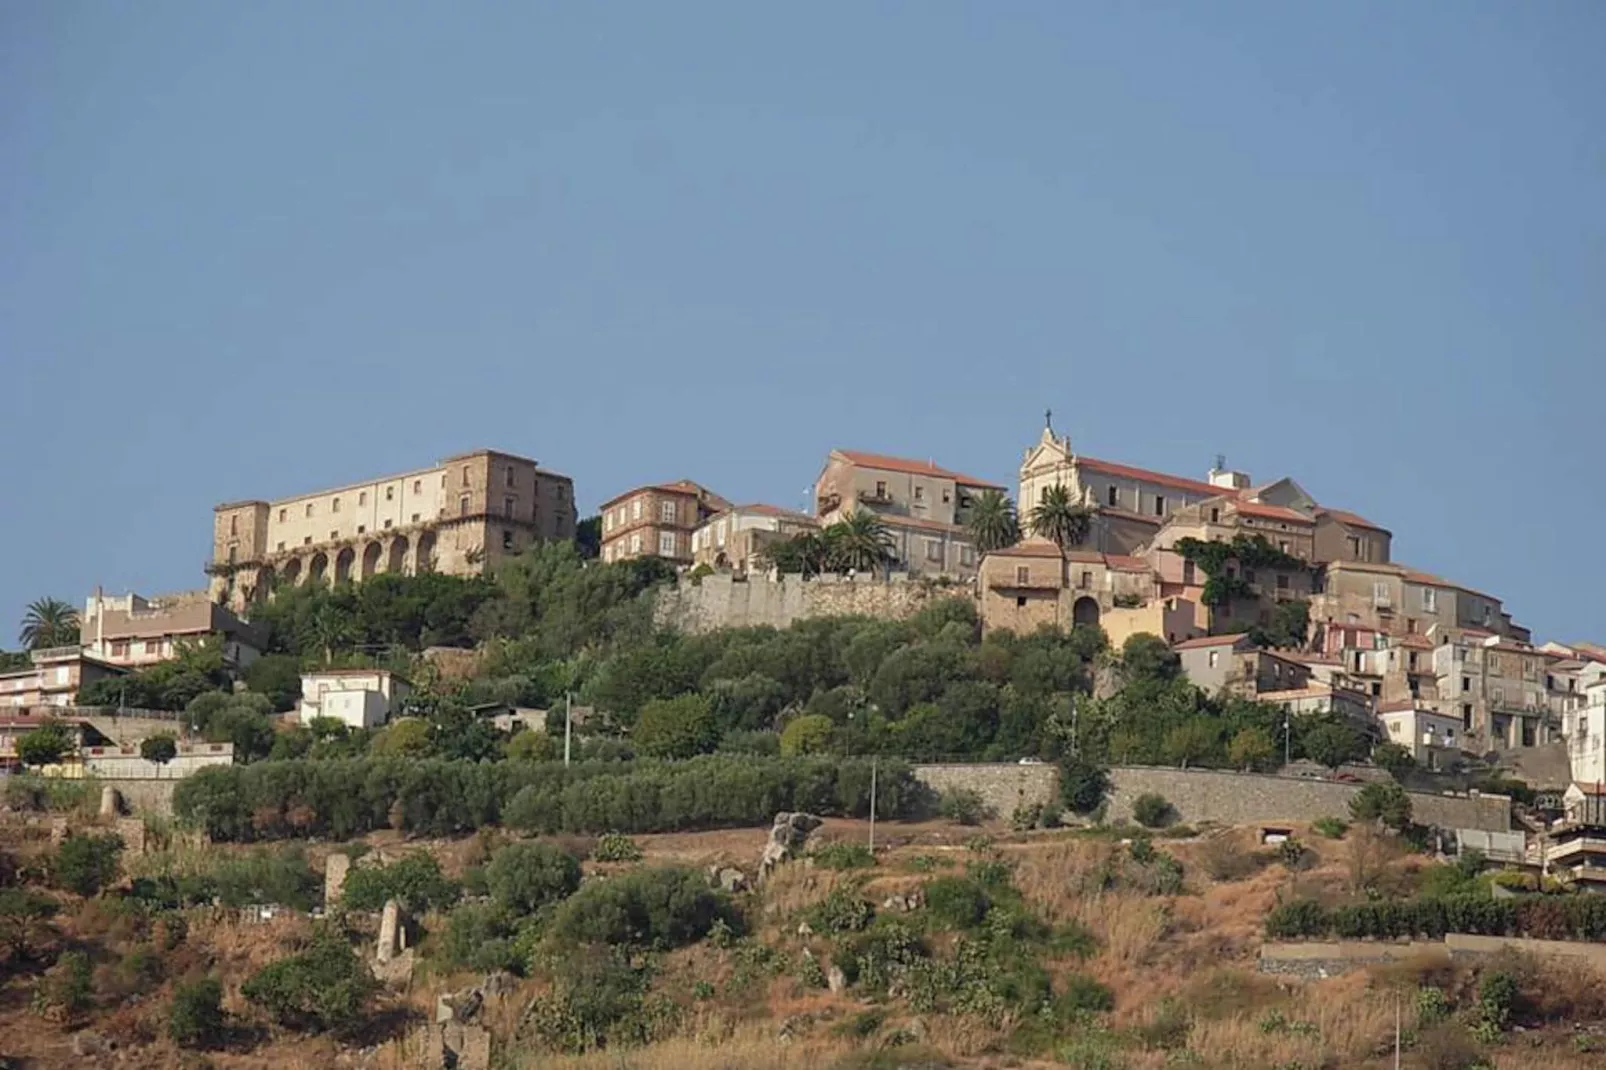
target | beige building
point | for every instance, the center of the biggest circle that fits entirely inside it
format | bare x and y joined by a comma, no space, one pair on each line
1433,738
358,698
133,632
460,517
1032,583
1585,727
1233,664
657,521
732,540
54,678
1319,699
924,507
1496,687
1397,600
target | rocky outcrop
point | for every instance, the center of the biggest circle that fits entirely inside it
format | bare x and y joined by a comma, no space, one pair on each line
787,837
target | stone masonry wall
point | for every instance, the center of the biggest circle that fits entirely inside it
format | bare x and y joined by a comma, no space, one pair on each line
723,602
1210,795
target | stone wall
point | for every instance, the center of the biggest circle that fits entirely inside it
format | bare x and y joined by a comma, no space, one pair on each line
1245,798
1313,960
721,601
1210,795
1001,787
143,796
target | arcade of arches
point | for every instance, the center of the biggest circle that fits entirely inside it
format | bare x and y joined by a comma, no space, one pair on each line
338,564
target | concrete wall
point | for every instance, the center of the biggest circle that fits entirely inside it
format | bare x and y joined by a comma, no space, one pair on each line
1317,959
723,602
1210,795
147,796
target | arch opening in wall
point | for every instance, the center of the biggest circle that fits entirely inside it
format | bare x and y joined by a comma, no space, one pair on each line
292,572
267,580
370,559
426,553
318,569
398,555
1085,610
344,560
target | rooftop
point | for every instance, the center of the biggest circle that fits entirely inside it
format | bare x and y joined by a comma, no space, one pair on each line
912,467
1127,471
679,486
1209,641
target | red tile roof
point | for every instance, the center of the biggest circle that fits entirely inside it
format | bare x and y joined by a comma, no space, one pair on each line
1207,641
1350,519
1271,512
914,468
1033,547
761,509
1127,471
1118,562
1417,576
679,486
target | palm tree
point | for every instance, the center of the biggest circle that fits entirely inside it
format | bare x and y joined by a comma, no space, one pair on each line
49,622
1060,520
859,541
992,522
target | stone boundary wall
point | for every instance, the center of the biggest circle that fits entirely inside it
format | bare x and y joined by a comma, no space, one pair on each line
721,601
149,796
1209,795
1313,960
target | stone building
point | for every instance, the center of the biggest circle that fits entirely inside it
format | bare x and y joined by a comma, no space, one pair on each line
1233,664
657,520
732,540
1033,583
1396,600
1497,688
924,507
133,632
461,517
1433,738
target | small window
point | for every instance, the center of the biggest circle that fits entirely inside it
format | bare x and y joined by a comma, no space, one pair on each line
667,512
306,540
948,497
234,525
880,489
508,505
666,544
362,497
282,515
281,547
386,524
334,506
234,551
415,520
1282,581
1282,544
967,555
510,477
1410,625
1466,715
1215,515
920,493
465,475
1159,505
635,543
1112,497
1430,600
361,528
1020,601
418,485
635,509
390,494
309,508
1087,581
933,550
507,536
334,535
462,505
1215,658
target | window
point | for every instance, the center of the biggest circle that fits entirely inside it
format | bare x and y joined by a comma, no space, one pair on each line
362,497
1282,581
948,497
635,543
880,489
635,509
418,485
415,520
1410,625
920,493
508,506
306,540
390,494
1380,593
507,536
153,646
234,525
462,505
666,512
1020,601
1159,505
1113,497
510,476
607,521
334,506
465,475
120,649
309,508
1282,544
333,535
666,544
281,547
1430,600
386,524
967,555
933,550
282,514
1215,658
1215,515
1189,574
234,551
1023,575
361,528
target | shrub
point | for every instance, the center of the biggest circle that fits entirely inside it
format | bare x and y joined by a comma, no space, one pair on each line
24,920
843,855
45,745
657,908
1083,993
69,986
1387,804
1299,918
841,911
675,728
1225,859
478,937
1330,827
161,748
86,864
958,902
523,877
1152,811
415,882
963,806
616,847
324,987
598,1002
1083,784
808,734
195,1019
1294,854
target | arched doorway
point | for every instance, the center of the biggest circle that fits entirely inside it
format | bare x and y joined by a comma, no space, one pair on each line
343,562
425,561
398,555
318,569
292,572
267,580
370,559
1085,611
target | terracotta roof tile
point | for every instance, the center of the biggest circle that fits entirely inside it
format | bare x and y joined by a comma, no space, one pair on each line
679,486
1127,471
1033,547
1350,519
912,467
1271,512
1208,641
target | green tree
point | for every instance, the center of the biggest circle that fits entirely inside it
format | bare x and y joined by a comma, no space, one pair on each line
1148,657
528,746
1393,757
1332,744
278,677
992,522
675,728
415,881
325,987
46,745
588,537
808,734
24,920
160,748
806,553
1191,741
1386,804
859,541
49,622
1252,748
524,877
404,738
86,864
195,1019
1083,784
1060,520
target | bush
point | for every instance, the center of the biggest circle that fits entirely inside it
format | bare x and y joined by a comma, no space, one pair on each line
1387,804
161,748
843,910
325,987
675,728
1083,784
195,1019
478,936
958,902
808,734
1330,827
45,745
24,920
597,1002
1083,993
616,847
1225,859
86,864
655,908
69,986
524,877
415,882
842,855
964,807
1152,811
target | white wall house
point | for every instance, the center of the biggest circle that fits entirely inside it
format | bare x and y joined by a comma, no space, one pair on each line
1585,728
358,698
1434,739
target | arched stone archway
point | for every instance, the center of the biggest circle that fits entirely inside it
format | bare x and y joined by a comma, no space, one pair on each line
370,559
344,560
318,568
398,555
1085,611
292,572
267,580
426,553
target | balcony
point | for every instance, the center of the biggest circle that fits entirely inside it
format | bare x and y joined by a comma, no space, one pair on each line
875,497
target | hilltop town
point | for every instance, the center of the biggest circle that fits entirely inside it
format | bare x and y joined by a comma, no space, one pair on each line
940,771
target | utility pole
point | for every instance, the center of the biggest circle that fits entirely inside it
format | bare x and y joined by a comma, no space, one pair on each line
568,724
1288,738
1396,1031
872,804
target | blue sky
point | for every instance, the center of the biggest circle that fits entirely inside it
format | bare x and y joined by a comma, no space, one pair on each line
249,250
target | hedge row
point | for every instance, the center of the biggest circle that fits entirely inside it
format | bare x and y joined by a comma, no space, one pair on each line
269,800
1538,917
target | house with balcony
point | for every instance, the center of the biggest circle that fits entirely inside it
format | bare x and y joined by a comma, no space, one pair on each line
357,698
135,632
54,678
1497,688
1034,582
1433,739
923,506
1234,665
733,540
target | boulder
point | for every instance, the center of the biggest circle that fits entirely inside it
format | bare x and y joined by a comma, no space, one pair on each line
87,1043
788,835
731,880
835,979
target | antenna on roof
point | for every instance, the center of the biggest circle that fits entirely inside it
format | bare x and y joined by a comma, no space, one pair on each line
1221,462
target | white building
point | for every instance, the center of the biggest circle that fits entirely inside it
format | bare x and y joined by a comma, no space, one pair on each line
1434,739
125,762
358,698
1585,729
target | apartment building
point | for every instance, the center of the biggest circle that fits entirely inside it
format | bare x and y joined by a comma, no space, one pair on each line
923,506
658,520
1324,700
54,678
1232,663
733,540
461,517
1585,729
1497,688
1433,738
1398,600
133,632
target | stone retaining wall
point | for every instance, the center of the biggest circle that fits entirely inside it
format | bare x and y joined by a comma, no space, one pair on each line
1001,787
720,601
1313,960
